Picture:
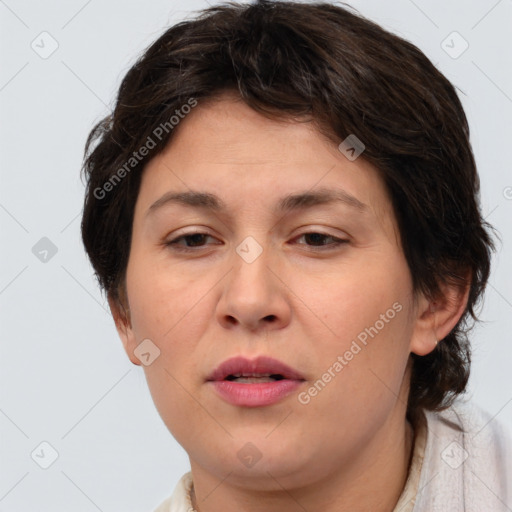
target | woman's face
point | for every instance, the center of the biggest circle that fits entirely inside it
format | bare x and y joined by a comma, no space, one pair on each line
319,283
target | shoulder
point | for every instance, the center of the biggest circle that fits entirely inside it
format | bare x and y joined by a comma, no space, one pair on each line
468,461
469,418
179,501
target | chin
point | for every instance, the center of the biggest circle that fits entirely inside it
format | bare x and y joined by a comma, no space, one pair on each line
254,464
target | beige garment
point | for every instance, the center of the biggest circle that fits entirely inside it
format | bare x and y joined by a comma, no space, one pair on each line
461,462
408,497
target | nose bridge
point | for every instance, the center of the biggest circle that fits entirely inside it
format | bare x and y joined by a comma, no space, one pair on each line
252,294
250,276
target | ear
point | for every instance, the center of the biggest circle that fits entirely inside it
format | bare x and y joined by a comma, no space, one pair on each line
122,320
437,317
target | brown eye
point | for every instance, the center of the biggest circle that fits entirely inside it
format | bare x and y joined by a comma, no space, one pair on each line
191,240
315,239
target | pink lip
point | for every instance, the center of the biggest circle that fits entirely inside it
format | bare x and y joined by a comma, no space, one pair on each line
254,394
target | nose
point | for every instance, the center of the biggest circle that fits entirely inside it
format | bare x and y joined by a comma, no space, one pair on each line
255,296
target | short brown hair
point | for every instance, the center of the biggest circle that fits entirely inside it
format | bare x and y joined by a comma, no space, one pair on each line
328,64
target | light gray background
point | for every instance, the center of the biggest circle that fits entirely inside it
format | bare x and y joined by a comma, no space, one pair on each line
65,378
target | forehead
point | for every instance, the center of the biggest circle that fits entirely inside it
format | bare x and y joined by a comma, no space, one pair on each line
226,148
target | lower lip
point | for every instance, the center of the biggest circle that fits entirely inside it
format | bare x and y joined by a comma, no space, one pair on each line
255,394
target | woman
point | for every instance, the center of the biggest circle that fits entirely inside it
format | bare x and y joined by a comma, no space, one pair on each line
282,210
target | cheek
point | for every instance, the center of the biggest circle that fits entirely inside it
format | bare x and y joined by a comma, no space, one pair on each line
172,309
165,299
361,316
354,296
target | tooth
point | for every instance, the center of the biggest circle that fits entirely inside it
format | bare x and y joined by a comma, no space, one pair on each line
256,375
254,379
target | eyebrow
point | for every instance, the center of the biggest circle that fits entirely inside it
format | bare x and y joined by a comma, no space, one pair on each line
291,202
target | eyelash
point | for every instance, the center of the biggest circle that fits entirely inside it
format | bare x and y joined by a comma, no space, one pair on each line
175,247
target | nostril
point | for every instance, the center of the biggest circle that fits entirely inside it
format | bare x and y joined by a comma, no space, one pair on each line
270,318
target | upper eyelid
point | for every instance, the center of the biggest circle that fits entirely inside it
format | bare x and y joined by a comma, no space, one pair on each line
202,230
192,233
318,232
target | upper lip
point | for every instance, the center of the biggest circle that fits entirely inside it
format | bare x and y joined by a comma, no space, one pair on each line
262,365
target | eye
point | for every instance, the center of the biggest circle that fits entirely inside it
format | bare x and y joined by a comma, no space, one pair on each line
319,240
191,240
316,240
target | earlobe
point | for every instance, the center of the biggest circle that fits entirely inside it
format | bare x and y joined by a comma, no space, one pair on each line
436,318
121,316
423,341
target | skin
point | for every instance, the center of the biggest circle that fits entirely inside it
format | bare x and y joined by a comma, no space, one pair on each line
300,302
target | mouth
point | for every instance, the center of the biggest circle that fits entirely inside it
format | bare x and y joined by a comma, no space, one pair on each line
263,369
248,378
254,383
